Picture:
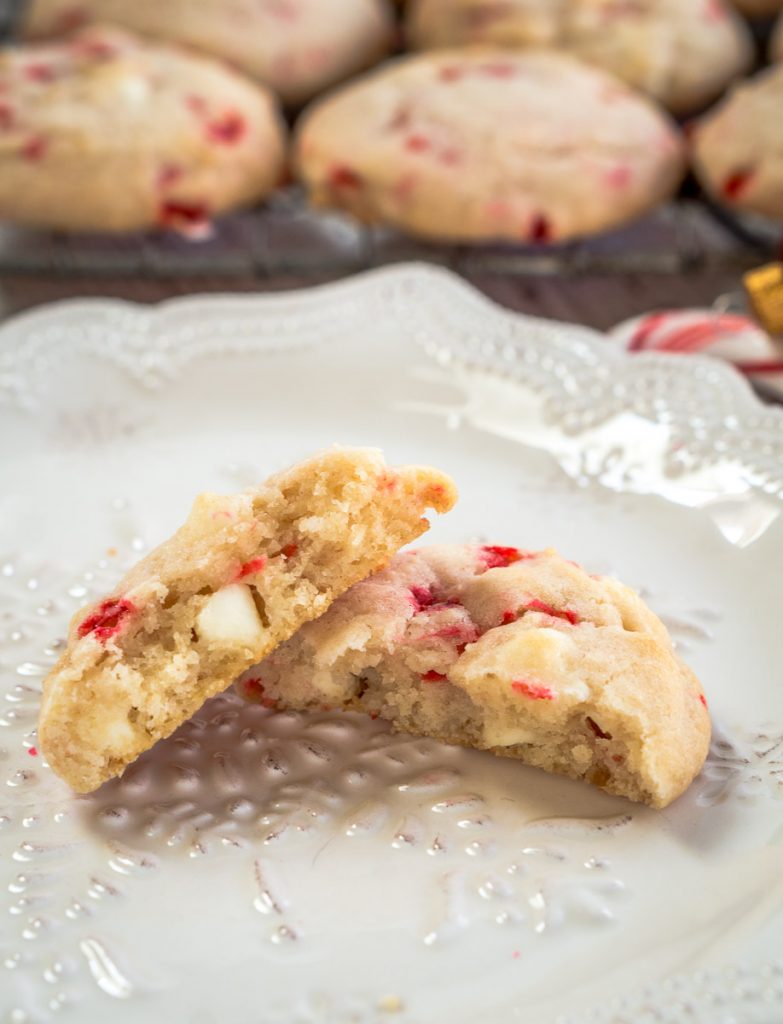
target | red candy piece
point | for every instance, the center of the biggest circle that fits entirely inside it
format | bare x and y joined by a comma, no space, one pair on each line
508,618
290,550
459,631
450,73
422,598
737,183
182,215
533,690
417,143
39,72
495,557
344,178
108,619
547,609
714,11
35,148
619,177
598,730
254,687
540,229
286,10
32,752
96,48
252,567
196,103
703,699
228,130
498,69
168,174
450,156
433,677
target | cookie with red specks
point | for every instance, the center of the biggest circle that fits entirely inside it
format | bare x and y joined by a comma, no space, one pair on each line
106,132
242,574
520,653
297,47
683,54
472,145
737,148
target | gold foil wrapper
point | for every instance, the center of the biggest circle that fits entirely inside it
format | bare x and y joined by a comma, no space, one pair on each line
764,287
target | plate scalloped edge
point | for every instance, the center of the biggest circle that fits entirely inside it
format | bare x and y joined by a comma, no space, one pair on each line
727,424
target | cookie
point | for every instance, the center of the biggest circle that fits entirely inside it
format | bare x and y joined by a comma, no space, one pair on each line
737,148
489,145
297,47
519,653
683,54
105,132
242,574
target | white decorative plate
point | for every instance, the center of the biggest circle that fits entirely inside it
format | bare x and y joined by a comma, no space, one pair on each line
280,869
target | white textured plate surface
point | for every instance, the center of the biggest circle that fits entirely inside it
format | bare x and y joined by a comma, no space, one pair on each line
284,869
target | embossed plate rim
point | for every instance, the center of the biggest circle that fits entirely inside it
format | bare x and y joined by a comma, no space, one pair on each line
297,318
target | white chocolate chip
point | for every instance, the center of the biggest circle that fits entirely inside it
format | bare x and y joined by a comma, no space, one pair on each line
497,735
135,89
390,1004
229,618
582,754
118,734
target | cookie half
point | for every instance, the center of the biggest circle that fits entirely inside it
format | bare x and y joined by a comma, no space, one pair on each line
106,132
482,145
520,653
241,576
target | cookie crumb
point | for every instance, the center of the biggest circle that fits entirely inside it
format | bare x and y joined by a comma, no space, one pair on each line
390,1004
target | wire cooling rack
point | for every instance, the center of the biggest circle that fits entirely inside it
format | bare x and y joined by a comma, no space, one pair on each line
286,237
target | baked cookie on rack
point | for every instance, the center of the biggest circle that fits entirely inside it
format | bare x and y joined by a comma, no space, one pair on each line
737,148
242,574
472,145
297,47
105,132
683,54
517,652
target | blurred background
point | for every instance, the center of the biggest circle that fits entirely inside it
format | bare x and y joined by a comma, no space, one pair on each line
100,161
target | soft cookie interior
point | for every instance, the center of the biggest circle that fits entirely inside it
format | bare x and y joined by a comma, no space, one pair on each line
242,574
520,653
